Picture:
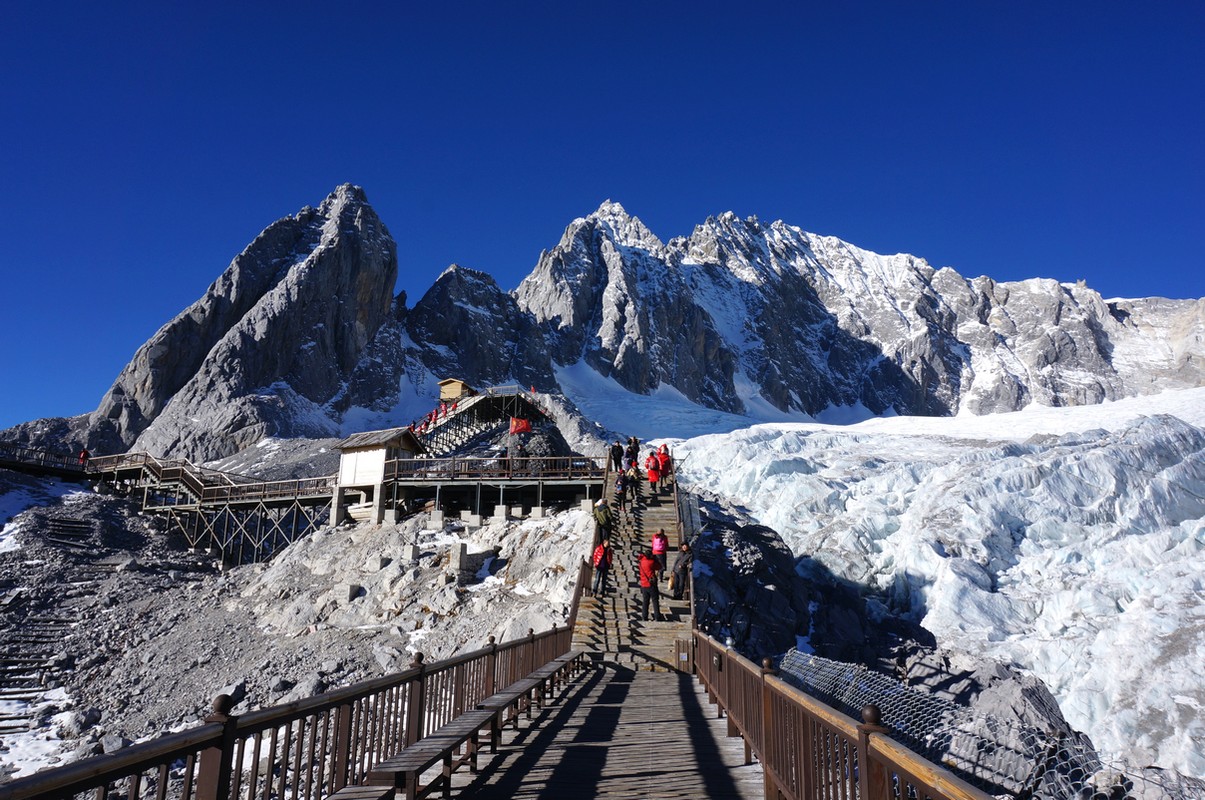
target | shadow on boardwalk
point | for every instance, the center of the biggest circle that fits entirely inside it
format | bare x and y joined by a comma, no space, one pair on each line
619,733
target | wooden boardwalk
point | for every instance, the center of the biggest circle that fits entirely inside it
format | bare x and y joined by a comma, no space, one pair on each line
618,733
632,726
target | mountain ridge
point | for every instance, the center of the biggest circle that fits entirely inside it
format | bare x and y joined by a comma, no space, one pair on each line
737,312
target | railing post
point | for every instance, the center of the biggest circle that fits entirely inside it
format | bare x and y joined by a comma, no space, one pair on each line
872,777
769,785
492,669
417,711
216,763
342,754
458,688
531,650
726,699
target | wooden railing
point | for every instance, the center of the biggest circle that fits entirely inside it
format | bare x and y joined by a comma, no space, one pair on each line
25,455
271,490
304,750
809,750
501,468
199,477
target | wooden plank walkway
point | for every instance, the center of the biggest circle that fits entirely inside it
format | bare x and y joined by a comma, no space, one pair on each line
618,733
610,628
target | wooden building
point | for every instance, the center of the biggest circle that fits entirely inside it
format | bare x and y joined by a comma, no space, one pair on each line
454,389
362,458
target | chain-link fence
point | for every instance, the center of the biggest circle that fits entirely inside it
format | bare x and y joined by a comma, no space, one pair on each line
1006,759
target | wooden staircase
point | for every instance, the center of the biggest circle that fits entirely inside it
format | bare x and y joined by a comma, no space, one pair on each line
610,627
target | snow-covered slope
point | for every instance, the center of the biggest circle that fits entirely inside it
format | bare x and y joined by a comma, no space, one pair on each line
1069,542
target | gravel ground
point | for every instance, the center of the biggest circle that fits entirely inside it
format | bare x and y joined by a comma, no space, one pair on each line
151,632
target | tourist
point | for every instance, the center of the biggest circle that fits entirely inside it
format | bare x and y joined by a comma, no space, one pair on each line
603,556
666,464
621,492
648,586
679,579
633,482
602,514
660,546
654,472
617,456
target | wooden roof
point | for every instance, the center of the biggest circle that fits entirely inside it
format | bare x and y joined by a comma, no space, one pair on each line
397,437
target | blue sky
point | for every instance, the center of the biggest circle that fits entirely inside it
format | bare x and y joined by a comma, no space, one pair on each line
144,146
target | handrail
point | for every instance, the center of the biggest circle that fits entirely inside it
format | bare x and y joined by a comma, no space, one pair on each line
83,775
502,467
40,458
311,747
808,749
203,475
271,490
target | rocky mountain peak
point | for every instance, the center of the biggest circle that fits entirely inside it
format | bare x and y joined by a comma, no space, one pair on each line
344,194
200,388
621,228
738,311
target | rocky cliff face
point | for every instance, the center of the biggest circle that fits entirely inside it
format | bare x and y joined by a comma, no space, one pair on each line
465,325
276,337
739,309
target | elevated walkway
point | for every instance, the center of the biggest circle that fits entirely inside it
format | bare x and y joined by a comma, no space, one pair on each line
620,733
38,462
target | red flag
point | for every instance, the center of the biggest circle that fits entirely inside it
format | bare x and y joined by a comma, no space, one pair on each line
519,425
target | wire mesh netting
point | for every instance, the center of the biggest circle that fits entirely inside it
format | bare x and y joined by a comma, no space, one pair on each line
1003,758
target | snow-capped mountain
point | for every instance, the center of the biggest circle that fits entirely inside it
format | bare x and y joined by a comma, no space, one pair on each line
740,310
265,349
756,320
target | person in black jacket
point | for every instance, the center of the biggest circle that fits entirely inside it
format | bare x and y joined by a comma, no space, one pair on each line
680,575
617,456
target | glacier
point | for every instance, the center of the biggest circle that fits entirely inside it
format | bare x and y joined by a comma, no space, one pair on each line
1066,542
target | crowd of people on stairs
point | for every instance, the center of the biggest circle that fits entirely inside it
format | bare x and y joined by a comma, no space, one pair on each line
651,560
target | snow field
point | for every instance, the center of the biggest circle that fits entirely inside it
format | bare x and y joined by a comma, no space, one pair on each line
1068,542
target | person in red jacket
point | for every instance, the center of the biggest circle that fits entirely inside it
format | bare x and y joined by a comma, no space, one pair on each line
654,470
666,465
648,586
603,555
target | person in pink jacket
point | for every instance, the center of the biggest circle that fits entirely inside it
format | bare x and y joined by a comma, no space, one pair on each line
660,546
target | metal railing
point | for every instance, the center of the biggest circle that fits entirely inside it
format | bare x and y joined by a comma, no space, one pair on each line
303,750
809,750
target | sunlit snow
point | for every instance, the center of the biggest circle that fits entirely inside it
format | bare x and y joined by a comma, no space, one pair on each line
1067,541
